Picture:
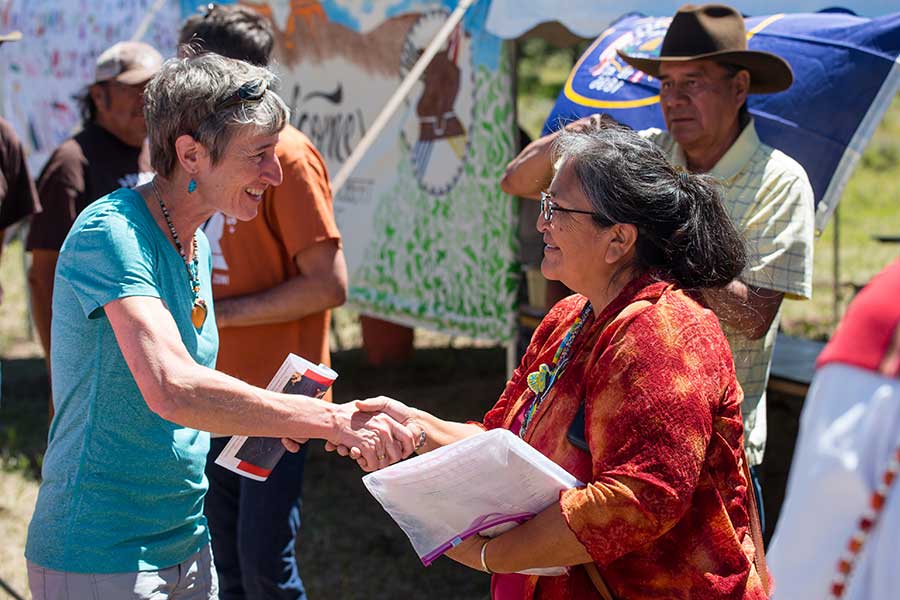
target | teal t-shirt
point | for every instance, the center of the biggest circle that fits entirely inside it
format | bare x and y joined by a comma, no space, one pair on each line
122,487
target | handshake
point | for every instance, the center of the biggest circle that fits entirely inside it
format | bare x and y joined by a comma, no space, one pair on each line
376,432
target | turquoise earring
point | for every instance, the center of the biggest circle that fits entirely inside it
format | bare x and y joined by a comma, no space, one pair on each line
192,186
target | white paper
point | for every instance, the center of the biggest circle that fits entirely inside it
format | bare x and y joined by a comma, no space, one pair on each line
456,491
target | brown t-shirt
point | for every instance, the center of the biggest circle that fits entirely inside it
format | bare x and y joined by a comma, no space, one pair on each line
255,255
18,198
85,167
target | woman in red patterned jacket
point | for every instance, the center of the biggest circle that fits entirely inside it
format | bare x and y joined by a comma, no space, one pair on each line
665,511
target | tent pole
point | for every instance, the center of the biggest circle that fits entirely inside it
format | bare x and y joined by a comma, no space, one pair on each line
402,91
512,347
145,23
836,266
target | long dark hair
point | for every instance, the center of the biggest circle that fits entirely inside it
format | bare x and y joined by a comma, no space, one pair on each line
683,229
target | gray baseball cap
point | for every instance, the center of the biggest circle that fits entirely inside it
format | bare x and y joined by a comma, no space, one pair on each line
128,62
11,36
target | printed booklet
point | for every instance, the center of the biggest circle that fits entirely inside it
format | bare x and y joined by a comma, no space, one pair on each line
255,457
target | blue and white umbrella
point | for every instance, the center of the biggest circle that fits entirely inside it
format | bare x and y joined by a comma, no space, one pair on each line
845,74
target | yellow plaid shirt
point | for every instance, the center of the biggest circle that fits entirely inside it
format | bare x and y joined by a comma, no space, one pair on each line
769,198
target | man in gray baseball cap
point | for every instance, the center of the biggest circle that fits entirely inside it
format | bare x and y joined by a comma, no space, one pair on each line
117,92
128,63
108,153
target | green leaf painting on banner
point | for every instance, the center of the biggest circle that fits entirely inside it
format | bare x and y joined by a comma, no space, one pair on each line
457,271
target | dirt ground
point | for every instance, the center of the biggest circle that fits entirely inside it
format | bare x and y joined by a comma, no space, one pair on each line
17,497
349,547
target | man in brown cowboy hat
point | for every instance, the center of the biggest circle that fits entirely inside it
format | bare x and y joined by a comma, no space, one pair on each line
706,72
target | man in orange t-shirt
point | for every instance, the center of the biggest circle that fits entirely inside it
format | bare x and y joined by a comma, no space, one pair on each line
275,278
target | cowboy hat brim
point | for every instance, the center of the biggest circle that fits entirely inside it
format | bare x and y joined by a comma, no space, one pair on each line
769,73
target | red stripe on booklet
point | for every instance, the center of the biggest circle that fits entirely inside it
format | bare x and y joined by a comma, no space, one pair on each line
317,378
253,469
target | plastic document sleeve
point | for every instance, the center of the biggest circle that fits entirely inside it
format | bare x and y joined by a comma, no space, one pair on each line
485,484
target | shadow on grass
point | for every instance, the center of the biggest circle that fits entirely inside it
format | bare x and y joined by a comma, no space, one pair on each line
348,546
23,415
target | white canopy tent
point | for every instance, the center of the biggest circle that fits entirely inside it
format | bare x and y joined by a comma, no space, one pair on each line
511,19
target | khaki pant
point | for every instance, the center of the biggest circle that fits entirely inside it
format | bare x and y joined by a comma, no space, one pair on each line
193,579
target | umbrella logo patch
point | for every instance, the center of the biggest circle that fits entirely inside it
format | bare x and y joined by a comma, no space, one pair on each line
603,77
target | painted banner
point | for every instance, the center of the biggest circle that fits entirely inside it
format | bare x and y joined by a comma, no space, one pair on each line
54,61
430,239
845,75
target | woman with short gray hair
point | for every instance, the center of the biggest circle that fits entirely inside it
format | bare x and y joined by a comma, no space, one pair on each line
134,343
234,95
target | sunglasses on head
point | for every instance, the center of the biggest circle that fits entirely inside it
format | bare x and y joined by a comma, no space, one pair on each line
251,91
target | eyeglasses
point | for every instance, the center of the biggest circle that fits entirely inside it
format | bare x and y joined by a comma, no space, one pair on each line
548,206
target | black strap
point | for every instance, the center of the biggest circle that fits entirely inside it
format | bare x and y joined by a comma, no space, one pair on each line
575,435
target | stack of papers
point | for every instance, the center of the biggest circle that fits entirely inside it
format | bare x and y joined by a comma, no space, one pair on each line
485,484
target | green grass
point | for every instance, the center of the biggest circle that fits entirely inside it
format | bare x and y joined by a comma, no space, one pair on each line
25,391
869,206
15,330
542,72
23,415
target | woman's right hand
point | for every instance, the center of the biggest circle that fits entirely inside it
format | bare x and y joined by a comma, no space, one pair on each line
371,437
384,404
388,408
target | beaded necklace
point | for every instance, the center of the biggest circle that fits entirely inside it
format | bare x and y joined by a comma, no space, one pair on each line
865,526
198,309
542,380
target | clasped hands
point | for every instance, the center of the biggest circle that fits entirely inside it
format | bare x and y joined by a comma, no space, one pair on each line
376,432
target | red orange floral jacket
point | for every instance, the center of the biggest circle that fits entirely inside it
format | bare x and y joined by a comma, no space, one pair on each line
663,514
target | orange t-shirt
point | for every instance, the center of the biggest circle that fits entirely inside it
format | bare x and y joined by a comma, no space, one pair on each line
255,255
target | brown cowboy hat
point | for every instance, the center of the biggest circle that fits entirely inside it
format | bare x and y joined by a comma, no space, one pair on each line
716,32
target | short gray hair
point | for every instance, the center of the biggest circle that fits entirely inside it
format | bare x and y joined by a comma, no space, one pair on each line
194,96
